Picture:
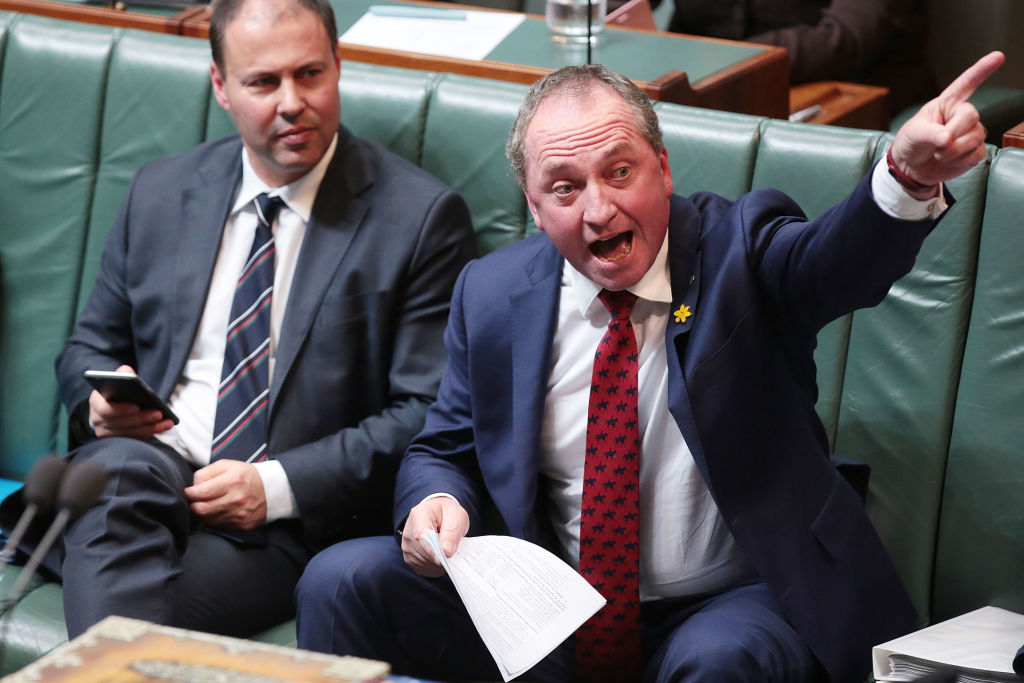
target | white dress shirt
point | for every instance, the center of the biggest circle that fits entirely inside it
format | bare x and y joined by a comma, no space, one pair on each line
685,547
195,397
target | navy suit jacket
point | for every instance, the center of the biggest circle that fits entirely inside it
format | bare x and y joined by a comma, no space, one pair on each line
760,282
360,349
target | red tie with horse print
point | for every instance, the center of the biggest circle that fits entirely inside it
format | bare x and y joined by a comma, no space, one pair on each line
608,645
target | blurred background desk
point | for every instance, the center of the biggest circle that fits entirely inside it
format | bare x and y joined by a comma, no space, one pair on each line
159,18
725,75
704,72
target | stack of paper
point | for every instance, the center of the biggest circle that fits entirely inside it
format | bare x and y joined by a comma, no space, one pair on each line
464,34
977,647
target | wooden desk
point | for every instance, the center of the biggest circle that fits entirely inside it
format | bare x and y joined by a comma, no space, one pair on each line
1014,137
153,19
842,104
717,74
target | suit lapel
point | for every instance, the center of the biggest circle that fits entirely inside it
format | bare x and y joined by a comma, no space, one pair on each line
204,212
685,267
533,315
337,215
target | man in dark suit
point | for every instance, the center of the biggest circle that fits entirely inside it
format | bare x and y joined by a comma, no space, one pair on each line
752,560
365,251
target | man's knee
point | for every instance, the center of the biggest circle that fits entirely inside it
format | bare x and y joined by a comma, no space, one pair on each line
139,461
350,568
143,498
739,637
337,596
711,661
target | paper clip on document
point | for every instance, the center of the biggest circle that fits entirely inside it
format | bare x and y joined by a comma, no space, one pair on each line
413,12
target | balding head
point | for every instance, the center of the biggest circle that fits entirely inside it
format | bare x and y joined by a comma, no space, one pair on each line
225,11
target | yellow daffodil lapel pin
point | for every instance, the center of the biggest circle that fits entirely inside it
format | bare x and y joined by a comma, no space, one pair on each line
682,313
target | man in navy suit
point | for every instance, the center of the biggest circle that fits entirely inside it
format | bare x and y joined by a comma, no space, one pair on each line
756,559
368,248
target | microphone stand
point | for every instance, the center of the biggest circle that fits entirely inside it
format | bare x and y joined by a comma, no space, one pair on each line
590,33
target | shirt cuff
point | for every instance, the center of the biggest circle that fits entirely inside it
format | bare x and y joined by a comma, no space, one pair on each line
278,492
439,495
894,200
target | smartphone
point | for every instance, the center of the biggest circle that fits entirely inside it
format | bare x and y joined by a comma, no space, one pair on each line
124,387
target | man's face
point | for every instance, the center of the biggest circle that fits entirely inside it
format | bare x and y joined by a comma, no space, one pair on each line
596,187
280,85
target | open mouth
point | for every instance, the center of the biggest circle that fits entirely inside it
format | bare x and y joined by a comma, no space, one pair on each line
614,248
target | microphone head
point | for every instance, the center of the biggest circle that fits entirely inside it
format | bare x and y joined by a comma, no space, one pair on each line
81,487
43,481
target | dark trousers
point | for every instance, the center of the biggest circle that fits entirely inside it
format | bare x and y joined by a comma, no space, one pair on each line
140,552
360,598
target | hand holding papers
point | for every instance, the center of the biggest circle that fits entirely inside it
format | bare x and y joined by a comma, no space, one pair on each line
523,600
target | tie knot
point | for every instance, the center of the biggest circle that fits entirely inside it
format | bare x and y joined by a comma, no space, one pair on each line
267,208
619,304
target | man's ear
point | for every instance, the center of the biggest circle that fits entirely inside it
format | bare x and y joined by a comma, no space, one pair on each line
666,171
533,211
217,81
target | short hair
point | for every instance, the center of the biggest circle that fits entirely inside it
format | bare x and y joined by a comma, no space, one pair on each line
224,11
579,81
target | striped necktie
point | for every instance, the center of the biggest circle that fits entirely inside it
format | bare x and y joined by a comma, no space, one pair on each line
608,645
240,429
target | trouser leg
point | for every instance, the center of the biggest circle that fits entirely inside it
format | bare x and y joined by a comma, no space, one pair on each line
360,598
141,553
122,556
739,636
239,590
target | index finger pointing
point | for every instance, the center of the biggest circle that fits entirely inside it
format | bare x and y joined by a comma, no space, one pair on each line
969,81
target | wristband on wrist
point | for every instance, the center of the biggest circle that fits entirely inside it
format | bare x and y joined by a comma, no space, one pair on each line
902,178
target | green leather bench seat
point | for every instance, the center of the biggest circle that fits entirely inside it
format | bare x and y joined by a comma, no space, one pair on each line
926,387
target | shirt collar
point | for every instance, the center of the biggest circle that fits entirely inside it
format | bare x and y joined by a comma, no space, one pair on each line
655,285
298,195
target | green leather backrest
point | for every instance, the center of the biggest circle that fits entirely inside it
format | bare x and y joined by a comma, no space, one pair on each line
709,150
980,553
464,145
817,166
387,105
51,103
155,104
5,21
901,380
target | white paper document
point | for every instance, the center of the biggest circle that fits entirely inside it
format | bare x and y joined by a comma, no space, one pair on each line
977,647
523,600
473,35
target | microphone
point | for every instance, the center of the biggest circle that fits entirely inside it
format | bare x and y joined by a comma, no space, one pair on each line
40,494
79,491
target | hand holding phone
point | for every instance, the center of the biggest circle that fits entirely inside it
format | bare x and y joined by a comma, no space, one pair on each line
125,387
